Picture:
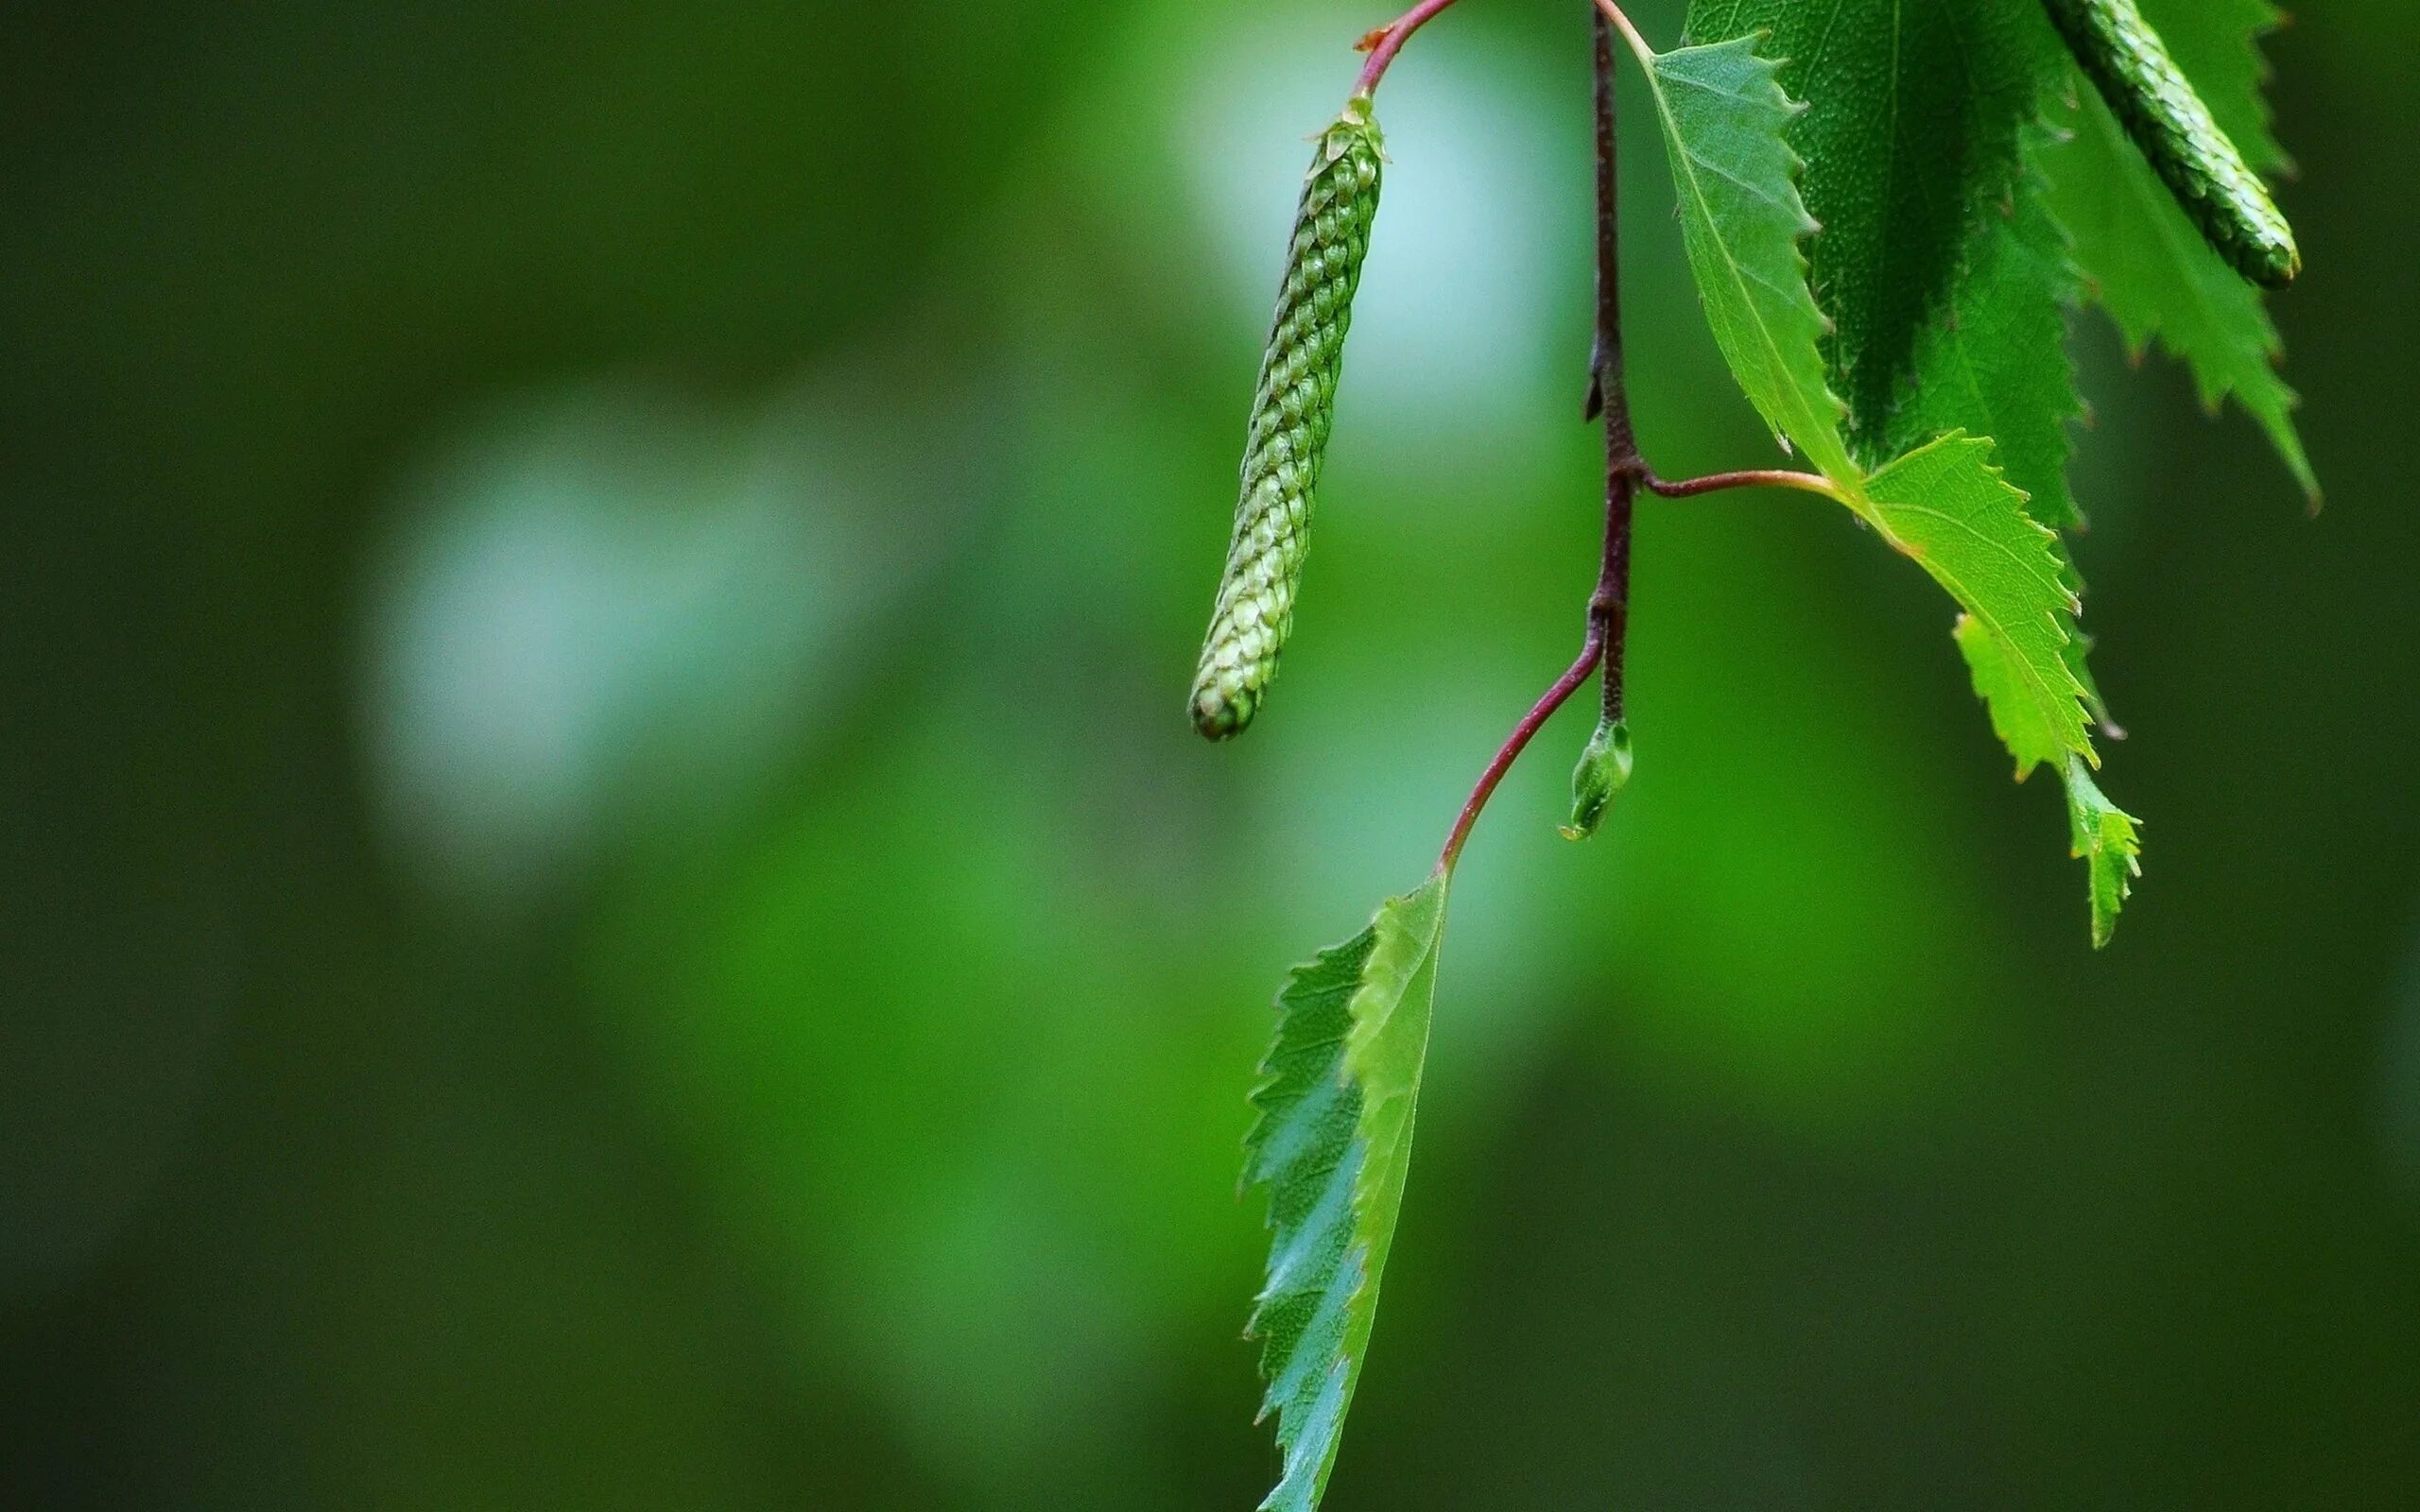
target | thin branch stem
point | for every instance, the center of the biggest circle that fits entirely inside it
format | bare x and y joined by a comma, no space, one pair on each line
1626,472
1556,697
1608,606
1610,13
1608,621
1388,41
1754,478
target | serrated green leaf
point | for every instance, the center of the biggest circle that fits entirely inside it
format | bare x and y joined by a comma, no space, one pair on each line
1332,1144
1910,137
2104,835
2080,662
1742,221
2151,270
1948,507
2027,725
2099,830
1948,277
1995,361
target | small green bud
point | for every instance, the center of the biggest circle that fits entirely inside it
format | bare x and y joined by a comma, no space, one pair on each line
2145,89
1290,417
1604,766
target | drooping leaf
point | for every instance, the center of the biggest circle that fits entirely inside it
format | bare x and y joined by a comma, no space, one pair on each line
2151,270
1994,362
1969,337
1910,137
1742,222
2027,724
2104,836
2033,727
1948,507
1331,1145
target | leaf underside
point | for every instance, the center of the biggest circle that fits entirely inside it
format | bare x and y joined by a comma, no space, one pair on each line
1946,505
2158,280
1743,225
1331,1146
1993,355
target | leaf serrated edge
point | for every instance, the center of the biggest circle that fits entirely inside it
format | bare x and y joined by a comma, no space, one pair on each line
1374,973
1817,433
2061,700
2107,839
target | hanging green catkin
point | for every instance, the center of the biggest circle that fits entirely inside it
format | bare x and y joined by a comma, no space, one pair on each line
1291,413
2131,67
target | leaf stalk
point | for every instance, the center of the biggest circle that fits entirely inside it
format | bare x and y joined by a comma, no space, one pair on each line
1591,651
1751,478
1383,43
1607,622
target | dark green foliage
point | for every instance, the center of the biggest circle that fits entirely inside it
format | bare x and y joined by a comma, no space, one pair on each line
1995,363
1914,108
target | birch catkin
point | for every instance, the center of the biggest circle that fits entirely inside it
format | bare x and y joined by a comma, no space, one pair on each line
1291,413
2131,68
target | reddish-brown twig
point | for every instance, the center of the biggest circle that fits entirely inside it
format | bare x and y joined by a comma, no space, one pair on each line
1383,43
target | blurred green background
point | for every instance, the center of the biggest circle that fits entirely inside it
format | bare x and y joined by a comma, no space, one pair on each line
613,905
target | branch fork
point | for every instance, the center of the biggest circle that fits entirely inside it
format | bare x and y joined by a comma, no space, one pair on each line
1605,643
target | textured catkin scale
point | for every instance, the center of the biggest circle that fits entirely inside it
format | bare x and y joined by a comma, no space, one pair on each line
2131,67
1291,413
